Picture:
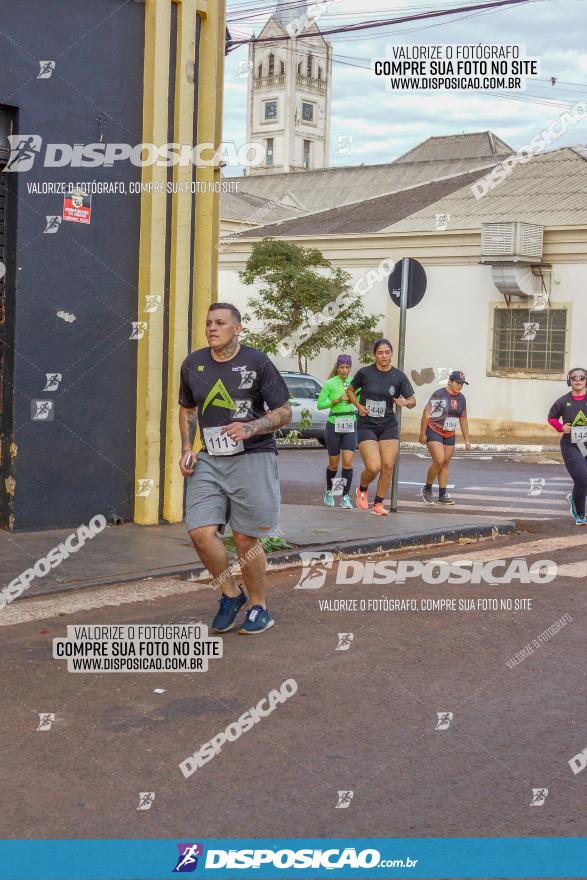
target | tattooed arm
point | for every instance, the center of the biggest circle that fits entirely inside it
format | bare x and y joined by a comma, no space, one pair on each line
188,424
268,423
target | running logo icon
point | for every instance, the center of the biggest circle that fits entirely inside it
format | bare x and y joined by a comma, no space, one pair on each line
247,377
437,408
530,330
146,799
344,800
46,719
144,488
23,151
441,222
536,486
442,374
337,485
152,302
344,641
539,795
315,567
187,860
46,69
42,411
243,409
444,719
52,223
53,380
138,330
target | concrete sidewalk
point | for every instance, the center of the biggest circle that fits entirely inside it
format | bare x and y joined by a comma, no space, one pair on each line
130,552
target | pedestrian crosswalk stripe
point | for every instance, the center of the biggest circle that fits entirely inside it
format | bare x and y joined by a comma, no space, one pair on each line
518,511
522,499
560,492
522,549
573,569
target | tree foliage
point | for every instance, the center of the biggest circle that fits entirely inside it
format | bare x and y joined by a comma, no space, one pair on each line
297,284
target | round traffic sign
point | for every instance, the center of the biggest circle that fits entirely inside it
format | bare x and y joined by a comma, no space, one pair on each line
416,283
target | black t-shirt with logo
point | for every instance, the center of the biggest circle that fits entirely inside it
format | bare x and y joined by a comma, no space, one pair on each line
379,387
232,391
445,405
568,409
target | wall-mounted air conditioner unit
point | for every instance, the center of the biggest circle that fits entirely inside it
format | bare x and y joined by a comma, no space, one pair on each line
511,243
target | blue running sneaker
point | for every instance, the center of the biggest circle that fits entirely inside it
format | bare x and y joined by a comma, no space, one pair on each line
346,503
229,608
257,621
581,521
328,498
572,510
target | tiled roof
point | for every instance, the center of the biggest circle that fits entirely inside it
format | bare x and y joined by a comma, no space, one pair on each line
253,209
458,146
550,189
327,188
371,215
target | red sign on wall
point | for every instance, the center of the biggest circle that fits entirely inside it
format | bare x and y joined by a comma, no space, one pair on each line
77,207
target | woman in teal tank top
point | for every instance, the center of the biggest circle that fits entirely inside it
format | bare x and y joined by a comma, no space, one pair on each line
341,429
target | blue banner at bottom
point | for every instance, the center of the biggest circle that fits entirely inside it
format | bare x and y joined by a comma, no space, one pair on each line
369,858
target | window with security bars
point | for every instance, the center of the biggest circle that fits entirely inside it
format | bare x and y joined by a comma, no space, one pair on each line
532,341
366,342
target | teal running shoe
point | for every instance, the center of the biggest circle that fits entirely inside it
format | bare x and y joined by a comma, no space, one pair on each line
257,620
346,503
572,510
329,498
581,521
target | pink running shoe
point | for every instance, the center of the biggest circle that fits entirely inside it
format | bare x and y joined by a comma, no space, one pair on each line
361,499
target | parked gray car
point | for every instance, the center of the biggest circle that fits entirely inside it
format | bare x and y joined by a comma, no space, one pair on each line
303,393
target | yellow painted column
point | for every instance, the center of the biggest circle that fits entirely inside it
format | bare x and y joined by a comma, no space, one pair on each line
151,279
181,227
210,95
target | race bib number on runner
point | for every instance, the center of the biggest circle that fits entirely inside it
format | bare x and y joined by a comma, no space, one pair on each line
450,424
579,435
221,444
344,425
375,408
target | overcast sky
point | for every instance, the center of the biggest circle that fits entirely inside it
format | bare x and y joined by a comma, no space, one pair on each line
384,125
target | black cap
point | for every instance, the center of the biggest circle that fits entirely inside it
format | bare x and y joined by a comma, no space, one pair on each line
457,376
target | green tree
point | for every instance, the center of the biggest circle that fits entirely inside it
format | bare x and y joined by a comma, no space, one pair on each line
298,284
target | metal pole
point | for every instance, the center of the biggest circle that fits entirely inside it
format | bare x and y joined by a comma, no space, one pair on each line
403,308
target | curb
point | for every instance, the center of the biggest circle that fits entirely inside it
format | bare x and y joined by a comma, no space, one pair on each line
289,558
411,445
277,561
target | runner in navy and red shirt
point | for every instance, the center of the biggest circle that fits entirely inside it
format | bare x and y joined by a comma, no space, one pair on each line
444,410
568,416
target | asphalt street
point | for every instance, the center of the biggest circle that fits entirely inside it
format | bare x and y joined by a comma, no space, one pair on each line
531,488
365,718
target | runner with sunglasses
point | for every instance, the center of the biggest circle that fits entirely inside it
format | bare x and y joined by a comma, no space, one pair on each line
568,416
380,387
341,429
446,407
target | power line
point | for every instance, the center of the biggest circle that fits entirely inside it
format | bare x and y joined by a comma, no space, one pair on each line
494,4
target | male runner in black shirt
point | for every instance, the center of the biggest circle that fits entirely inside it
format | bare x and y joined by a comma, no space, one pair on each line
239,398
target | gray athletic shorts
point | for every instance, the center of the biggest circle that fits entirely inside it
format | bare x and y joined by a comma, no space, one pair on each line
241,490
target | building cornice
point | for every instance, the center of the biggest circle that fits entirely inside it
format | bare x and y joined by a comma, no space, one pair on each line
562,244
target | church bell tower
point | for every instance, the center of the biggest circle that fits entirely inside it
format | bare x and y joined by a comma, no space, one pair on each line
289,92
